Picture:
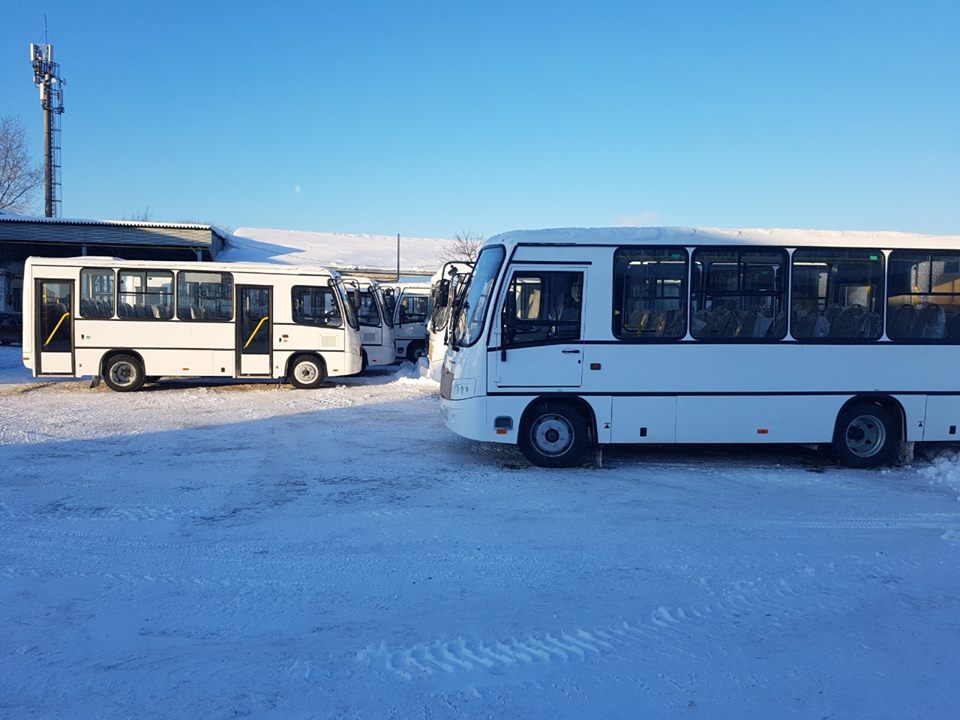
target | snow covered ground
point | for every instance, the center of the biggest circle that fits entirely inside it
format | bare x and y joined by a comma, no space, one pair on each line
249,550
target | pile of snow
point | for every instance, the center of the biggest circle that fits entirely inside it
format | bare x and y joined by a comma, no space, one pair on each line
341,251
945,470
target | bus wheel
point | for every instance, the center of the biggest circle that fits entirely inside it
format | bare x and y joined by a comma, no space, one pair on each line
554,434
306,372
415,351
867,436
123,373
363,361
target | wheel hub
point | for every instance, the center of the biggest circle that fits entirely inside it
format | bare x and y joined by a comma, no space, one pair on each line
552,435
866,436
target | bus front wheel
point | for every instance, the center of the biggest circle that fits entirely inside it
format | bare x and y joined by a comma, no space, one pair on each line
123,373
867,436
307,372
554,434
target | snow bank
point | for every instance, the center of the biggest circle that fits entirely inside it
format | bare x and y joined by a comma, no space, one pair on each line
945,470
342,251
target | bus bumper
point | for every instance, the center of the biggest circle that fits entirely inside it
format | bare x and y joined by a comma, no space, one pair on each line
467,418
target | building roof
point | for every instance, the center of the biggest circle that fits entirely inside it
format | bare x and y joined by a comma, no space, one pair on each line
22,229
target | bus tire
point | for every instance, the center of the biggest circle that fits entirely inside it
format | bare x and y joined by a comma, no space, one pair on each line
867,435
123,373
363,361
307,372
554,434
415,351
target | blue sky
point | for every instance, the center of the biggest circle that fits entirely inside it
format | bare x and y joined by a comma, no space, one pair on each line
428,118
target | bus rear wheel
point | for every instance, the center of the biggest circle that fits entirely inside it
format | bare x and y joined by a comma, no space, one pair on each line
554,434
307,372
415,351
123,373
867,436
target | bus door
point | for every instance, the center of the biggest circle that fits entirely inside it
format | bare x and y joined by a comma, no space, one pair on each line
538,341
54,327
254,331
368,314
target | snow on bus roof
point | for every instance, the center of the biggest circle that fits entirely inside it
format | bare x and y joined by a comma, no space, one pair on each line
721,236
254,267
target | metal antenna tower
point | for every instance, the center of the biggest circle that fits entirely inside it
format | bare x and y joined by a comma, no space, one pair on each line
46,76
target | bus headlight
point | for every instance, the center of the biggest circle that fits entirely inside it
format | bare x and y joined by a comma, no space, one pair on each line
463,389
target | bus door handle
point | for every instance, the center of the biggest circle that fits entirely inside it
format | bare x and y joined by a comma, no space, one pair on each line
571,351
503,354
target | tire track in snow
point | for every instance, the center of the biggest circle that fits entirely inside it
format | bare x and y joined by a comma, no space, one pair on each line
675,629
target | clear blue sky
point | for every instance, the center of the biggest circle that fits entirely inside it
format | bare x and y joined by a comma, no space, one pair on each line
426,118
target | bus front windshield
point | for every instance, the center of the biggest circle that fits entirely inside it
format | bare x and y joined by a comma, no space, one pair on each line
472,311
348,310
386,300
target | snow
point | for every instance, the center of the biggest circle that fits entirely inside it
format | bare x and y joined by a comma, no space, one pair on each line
729,236
245,549
340,251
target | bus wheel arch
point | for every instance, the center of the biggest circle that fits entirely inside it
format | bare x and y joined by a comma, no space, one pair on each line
123,370
868,431
306,371
557,431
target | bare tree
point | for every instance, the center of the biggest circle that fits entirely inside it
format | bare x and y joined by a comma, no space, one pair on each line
464,248
19,178
139,216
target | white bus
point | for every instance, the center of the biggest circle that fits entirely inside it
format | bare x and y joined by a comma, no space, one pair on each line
444,285
129,321
374,311
567,339
411,314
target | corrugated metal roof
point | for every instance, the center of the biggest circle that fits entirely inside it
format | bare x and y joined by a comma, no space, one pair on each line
57,231
108,223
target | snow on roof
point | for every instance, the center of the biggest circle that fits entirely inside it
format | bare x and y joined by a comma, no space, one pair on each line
722,236
7,217
343,251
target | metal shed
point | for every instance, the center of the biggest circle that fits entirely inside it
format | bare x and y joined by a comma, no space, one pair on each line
23,236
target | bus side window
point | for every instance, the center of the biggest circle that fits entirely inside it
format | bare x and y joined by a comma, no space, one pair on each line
650,293
923,299
543,307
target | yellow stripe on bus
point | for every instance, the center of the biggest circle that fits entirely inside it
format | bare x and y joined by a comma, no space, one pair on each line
255,331
62,318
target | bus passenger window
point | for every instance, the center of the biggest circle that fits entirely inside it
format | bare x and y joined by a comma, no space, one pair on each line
739,294
543,307
837,294
650,293
145,294
923,298
315,306
204,296
96,293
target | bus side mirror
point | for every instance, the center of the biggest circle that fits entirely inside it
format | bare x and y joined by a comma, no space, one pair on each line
443,293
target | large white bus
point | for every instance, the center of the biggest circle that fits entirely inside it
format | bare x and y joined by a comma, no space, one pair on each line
567,339
444,286
374,309
128,321
411,314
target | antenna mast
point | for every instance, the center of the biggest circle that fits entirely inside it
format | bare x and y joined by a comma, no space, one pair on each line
46,76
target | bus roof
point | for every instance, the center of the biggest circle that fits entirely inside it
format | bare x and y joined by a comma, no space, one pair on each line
690,236
102,261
